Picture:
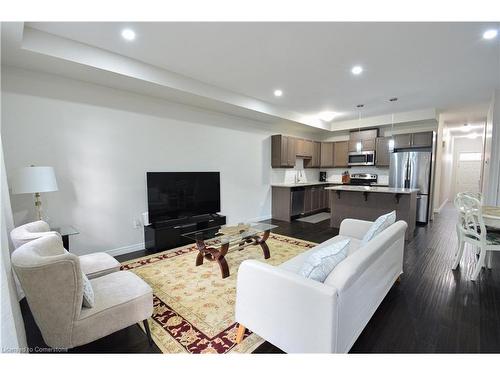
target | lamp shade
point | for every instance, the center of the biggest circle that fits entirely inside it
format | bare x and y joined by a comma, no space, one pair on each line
33,180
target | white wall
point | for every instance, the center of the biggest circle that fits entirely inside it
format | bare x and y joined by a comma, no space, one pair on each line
446,169
101,142
438,200
491,171
12,334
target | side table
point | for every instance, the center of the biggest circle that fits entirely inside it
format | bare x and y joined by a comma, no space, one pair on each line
65,231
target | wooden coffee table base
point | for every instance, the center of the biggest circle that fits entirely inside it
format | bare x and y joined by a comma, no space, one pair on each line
218,254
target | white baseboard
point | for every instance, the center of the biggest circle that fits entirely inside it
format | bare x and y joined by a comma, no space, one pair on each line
126,249
438,210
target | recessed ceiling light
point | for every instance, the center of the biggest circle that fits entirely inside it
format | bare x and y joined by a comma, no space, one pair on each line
278,93
356,70
327,116
128,34
490,34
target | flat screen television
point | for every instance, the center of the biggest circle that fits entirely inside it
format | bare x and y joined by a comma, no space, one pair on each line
173,195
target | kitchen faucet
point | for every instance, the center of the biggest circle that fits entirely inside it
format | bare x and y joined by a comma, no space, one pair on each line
298,176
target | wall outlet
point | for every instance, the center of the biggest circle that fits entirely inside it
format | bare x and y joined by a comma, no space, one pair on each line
136,223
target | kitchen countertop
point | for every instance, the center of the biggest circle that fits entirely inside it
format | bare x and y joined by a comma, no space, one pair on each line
313,183
372,189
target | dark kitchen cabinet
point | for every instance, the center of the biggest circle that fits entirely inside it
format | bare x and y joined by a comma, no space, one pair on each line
368,144
382,154
340,154
413,140
304,148
291,151
288,203
324,198
366,137
315,160
363,135
326,160
422,139
353,145
316,198
307,200
402,140
282,151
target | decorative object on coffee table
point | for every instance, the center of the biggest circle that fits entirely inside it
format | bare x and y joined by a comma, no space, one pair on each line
214,243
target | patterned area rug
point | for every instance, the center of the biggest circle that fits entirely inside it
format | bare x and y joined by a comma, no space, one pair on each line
194,306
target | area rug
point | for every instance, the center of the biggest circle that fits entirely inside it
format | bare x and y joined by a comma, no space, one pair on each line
194,306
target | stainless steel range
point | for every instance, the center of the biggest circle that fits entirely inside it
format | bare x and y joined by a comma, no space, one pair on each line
363,179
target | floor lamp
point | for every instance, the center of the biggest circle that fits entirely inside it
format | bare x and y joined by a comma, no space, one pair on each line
34,180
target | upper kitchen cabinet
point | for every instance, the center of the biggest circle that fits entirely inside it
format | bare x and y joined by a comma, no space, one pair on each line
413,140
366,137
363,135
366,145
304,148
340,154
283,152
315,160
326,159
422,139
402,140
382,154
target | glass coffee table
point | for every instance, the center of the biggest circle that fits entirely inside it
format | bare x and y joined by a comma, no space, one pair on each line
214,245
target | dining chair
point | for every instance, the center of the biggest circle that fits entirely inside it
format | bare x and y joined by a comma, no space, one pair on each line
476,195
472,230
479,197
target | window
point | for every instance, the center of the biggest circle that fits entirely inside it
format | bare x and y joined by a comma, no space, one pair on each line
470,156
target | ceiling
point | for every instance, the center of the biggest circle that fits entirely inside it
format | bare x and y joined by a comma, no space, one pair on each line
425,65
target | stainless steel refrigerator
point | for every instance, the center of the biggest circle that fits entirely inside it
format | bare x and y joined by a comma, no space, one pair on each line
412,169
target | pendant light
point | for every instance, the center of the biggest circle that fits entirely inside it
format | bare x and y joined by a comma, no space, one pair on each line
391,141
359,145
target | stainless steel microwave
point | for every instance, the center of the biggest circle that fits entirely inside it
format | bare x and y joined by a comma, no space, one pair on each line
361,158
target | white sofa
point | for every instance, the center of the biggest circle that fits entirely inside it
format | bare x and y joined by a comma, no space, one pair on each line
300,315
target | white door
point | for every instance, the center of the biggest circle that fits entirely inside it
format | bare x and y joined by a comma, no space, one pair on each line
468,176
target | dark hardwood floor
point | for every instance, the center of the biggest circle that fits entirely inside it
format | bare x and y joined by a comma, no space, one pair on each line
433,310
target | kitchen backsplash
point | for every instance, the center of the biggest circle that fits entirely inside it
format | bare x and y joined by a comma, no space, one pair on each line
287,175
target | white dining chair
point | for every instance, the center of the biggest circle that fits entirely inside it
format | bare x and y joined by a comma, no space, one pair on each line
471,230
479,197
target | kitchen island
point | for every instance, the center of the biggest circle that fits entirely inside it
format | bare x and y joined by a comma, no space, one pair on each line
369,202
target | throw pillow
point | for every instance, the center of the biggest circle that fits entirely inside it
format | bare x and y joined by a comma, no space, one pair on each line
383,222
88,292
321,262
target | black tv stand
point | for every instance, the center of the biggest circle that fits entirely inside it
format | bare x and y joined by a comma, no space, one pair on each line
168,234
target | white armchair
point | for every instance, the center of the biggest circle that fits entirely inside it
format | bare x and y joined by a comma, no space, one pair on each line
52,280
300,315
29,232
93,265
